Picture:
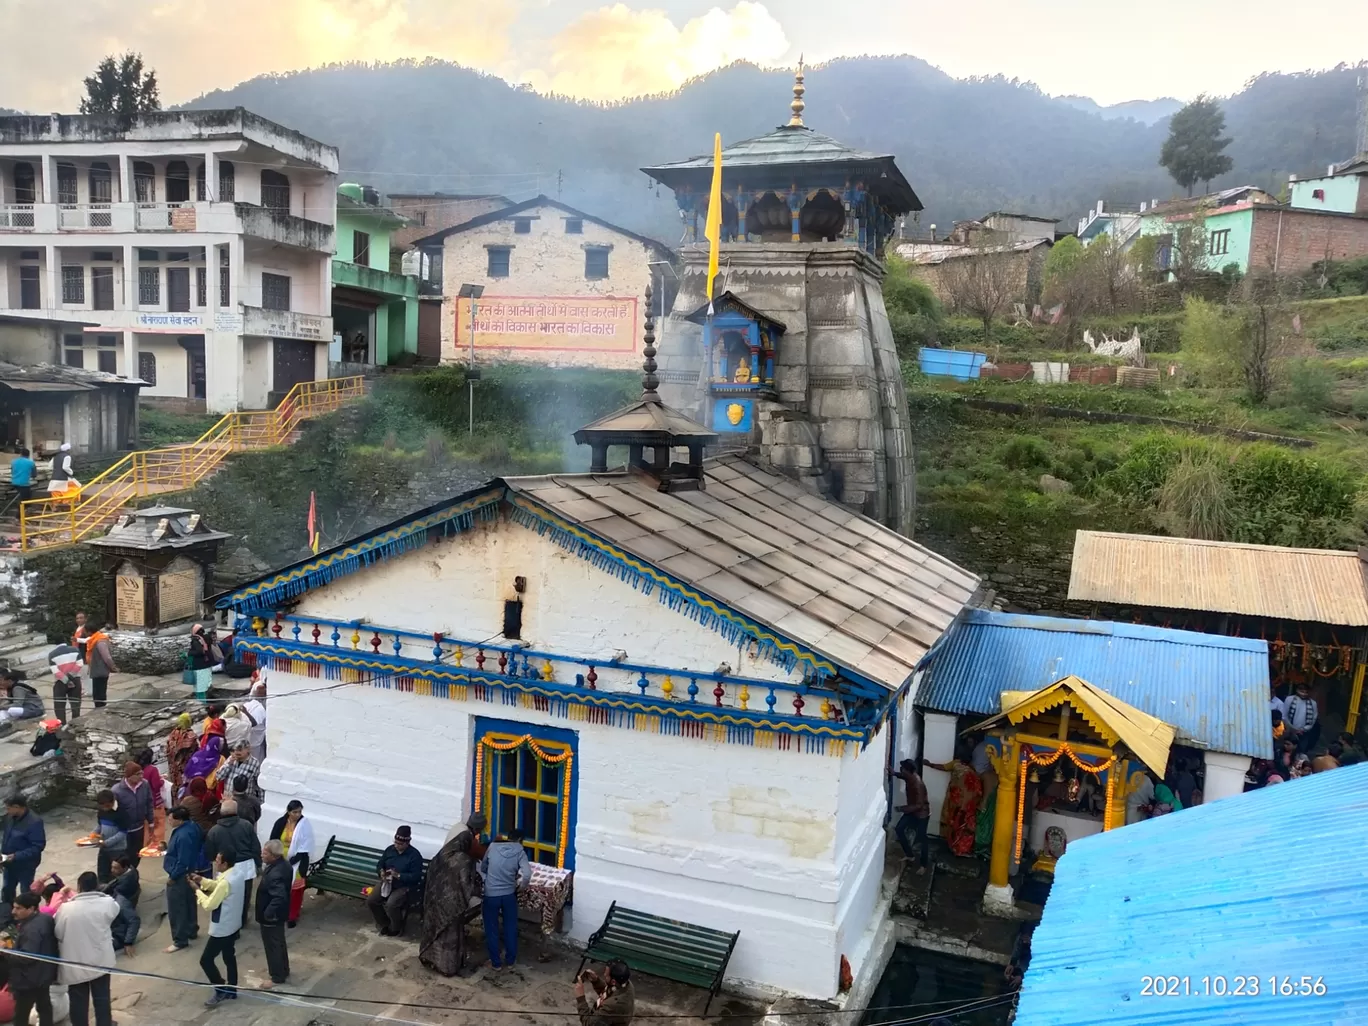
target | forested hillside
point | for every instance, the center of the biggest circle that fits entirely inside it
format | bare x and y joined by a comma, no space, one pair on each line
968,146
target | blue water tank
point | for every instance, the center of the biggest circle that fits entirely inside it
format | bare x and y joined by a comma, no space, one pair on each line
951,363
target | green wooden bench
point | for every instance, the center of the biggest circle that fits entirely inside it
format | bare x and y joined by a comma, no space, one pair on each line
348,869
663,947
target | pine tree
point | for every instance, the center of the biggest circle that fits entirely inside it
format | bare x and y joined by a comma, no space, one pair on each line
1194,149
121,86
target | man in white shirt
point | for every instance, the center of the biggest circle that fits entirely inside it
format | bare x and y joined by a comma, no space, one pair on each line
256,711
84,937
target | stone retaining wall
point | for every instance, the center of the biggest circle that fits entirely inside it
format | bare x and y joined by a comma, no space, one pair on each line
102,740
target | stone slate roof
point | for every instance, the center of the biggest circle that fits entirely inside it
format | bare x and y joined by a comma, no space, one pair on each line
829,579
60,377
158,527
795,146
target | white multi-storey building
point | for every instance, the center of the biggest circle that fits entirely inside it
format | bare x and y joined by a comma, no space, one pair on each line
197,246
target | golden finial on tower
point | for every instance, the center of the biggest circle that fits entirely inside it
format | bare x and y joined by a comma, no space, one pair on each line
796,121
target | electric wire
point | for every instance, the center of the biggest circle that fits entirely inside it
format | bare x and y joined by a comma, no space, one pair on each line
319,1001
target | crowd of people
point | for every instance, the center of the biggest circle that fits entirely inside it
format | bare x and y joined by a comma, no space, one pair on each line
1296,729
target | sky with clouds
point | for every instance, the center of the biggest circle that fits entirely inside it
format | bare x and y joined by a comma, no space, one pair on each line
1110,50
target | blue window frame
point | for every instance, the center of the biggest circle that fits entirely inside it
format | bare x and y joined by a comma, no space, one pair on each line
527,775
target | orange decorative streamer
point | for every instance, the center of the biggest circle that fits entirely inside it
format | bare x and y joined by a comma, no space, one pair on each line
567,757
1029,759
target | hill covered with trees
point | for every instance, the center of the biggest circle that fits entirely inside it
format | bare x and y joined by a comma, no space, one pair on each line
968,145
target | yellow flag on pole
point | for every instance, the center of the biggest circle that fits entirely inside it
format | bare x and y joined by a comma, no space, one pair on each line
713,231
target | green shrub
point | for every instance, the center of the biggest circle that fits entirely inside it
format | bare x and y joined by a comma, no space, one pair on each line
1196,500
1309,385
1211,339
1026,453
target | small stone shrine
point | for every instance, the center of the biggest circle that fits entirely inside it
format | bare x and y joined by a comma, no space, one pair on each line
796,361
157,564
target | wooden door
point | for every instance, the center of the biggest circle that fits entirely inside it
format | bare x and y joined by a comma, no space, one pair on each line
293,362
178,289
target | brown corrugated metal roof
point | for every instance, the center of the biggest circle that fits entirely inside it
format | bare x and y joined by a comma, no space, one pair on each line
831,580
1312,585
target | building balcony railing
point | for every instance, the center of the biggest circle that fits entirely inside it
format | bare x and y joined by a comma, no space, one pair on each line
17,217
372,279
86,216
274,225
165,217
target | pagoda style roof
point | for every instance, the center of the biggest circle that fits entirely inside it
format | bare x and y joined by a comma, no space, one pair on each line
646,421
798,148
730,300
158,527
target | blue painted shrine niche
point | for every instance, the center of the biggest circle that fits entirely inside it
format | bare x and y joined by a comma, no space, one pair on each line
740,343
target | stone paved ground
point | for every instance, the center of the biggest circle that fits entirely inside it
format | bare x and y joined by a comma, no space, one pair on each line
336,953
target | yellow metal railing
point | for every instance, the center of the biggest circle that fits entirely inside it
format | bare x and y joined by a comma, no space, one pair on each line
53,521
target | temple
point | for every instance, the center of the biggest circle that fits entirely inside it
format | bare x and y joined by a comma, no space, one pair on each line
796,362
685,680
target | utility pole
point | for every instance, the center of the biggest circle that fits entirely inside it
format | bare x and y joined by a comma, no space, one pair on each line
560,180
1361,133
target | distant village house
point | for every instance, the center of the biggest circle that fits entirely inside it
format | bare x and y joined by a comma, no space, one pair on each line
560,287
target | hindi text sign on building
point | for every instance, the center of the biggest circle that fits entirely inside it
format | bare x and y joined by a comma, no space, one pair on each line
598,324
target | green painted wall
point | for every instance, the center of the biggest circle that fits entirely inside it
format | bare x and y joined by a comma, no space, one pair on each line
396,319
1239,224
377,222
1341,193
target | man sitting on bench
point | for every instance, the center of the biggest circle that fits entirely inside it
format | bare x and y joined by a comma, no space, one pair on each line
400,870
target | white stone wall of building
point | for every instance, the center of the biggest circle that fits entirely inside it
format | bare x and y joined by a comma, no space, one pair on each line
546,262
786,846
726,836
458,587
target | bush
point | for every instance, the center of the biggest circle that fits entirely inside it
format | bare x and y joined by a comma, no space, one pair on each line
1309,386
1195,500
1342,277
1211,340
1026,453
963,334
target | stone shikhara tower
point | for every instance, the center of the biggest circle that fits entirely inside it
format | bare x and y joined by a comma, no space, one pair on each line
797,361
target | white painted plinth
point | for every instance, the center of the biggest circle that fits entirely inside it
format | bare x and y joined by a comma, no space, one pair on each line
1225,775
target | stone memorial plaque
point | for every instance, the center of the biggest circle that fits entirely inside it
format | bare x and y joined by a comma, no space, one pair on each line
128,600
179,593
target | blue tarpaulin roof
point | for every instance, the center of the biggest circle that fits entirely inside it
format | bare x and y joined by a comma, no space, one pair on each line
1212,689
1266,884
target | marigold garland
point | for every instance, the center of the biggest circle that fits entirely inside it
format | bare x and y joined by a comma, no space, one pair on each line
567,757
1030,758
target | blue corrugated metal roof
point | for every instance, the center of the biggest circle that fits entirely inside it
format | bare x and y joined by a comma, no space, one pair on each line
1212,689
1271,883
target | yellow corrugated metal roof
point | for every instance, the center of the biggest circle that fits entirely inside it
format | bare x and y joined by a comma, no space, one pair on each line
1147,736
1314,585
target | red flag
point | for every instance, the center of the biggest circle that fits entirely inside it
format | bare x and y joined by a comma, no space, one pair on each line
313,524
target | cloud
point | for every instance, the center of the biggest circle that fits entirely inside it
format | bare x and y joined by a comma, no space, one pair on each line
198,45
617,51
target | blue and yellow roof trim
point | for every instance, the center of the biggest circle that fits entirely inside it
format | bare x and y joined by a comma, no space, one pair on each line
274,591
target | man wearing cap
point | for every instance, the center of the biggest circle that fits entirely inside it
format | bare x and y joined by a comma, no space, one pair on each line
63,479
614,1003
400,872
